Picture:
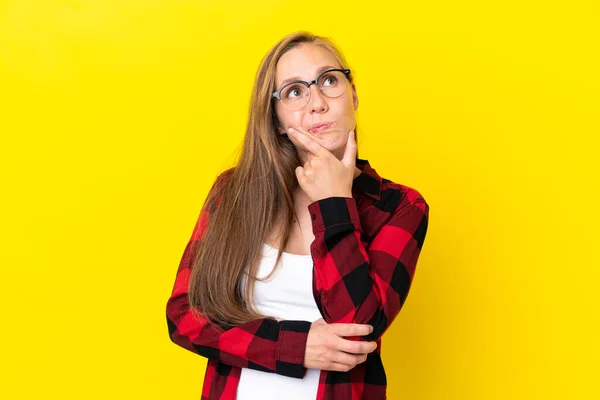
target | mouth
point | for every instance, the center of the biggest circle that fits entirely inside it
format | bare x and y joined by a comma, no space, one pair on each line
320,127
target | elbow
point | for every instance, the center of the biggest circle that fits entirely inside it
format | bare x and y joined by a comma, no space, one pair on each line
380,323
175,313
172,329
171,325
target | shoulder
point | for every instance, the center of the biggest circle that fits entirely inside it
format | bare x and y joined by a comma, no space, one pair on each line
387,194
225,175
215,193
409,194
221,179
395,195
401,201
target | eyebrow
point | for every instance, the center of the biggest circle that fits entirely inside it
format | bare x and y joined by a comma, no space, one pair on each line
297,78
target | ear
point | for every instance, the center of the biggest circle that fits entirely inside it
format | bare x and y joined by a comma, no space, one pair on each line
354,97
278,125
280,129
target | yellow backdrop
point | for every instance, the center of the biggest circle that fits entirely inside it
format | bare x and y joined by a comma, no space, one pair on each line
116,117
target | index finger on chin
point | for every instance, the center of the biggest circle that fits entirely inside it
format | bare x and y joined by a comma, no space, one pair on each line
310,144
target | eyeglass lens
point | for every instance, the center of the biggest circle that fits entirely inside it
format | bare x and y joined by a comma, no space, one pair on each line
331,84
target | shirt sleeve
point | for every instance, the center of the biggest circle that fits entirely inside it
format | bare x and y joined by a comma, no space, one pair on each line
262,344
354,285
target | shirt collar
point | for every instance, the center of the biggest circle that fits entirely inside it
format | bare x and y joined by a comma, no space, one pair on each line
369,181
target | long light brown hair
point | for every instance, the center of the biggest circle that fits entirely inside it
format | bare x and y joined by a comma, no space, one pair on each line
256,197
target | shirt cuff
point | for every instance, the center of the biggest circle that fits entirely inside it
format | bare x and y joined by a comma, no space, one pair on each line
333,211
292,348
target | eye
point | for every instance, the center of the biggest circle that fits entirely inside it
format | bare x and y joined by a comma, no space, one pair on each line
293,91
329,79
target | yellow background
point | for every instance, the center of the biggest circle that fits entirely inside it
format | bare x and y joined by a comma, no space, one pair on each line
116,117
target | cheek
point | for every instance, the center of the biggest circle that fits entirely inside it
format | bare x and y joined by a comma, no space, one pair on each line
349,110
288,118
347,105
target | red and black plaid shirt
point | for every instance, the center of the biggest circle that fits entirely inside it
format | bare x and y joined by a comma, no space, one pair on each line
365,253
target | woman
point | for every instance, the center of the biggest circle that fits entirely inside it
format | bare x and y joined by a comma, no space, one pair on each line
345,242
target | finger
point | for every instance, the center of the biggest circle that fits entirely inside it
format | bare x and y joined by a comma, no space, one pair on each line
303,139
335,366
349,158
360,358
352,329
347,358
293,138
356,347
309,143
310,135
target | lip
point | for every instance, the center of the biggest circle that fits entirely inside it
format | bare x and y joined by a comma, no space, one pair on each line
320,127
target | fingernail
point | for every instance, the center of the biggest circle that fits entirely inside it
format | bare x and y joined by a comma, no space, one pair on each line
290,130
370,328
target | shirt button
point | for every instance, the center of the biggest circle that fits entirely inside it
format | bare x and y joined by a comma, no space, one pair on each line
313,216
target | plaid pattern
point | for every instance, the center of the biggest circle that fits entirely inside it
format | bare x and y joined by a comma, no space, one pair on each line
365,253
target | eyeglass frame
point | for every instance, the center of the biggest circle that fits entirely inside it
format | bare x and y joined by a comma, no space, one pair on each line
277,93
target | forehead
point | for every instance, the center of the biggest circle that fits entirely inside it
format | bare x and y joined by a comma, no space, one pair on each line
303,62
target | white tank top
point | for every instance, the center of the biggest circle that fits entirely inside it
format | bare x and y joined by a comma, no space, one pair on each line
286,295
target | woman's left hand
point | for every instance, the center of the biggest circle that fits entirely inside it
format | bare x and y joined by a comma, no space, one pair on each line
323,175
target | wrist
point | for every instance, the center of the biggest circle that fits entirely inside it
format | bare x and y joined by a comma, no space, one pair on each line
342,194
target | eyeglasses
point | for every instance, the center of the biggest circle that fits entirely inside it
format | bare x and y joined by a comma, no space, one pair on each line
296,94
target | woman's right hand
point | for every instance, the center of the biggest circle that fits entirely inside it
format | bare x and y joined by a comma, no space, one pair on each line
326,349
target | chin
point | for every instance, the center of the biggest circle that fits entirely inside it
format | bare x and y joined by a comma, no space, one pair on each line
332,142
334,146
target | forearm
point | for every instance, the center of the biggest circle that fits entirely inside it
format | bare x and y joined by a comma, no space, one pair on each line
359,286
263,344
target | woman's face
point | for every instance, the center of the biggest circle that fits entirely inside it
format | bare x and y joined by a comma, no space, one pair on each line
305,62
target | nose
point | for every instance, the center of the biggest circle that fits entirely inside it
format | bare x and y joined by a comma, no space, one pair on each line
317,102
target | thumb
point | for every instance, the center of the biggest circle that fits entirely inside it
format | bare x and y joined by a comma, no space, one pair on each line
349,158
